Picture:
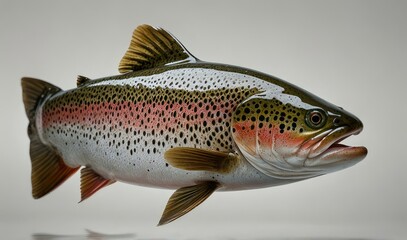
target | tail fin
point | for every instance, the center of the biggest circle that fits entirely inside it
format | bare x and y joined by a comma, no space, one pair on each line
48,168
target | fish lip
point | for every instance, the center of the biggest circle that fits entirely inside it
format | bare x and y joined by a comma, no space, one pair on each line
329,148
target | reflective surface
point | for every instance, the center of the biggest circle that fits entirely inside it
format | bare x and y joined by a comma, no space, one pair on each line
198,231
93,236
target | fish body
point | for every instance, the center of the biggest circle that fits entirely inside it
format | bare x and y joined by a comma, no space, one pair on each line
125,131
174,121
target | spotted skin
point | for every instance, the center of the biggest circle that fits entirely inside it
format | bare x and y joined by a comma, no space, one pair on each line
121,128
263,119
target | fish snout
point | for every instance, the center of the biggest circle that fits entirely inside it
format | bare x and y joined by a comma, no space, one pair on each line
349,121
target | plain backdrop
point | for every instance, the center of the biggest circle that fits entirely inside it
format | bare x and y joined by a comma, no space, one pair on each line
351,53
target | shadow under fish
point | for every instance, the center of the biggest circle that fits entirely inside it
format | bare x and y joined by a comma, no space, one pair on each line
90,235
129,236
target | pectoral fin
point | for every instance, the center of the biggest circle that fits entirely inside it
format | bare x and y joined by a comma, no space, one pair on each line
196,159
91,182
185,199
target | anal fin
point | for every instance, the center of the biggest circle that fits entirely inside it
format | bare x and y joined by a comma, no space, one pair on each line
185,199
196,159
91,182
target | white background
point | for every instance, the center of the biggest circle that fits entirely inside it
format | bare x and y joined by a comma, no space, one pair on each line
351,53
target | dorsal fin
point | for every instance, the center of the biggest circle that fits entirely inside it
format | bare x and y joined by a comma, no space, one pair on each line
151,47
81,80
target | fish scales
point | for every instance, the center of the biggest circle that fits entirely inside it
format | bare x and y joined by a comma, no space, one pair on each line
128,124
170,120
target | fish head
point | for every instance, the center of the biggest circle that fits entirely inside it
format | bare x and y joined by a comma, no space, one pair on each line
295,135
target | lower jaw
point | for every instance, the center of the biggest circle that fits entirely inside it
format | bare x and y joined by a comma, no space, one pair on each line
338,155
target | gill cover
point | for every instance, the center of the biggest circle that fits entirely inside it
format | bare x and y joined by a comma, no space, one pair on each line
268,129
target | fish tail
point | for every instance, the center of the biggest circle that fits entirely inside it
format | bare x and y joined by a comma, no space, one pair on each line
48,168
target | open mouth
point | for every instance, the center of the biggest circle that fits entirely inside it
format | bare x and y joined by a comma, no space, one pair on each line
328,149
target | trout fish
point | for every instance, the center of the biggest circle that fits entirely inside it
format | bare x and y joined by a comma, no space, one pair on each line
172,121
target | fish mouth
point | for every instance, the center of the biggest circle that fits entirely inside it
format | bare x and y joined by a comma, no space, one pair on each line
327,148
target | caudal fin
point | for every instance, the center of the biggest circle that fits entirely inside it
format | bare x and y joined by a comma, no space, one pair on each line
48,169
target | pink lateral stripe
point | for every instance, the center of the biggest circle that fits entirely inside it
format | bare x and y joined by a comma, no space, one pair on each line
139,115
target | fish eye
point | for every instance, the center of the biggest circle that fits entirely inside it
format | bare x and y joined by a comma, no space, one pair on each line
315,118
